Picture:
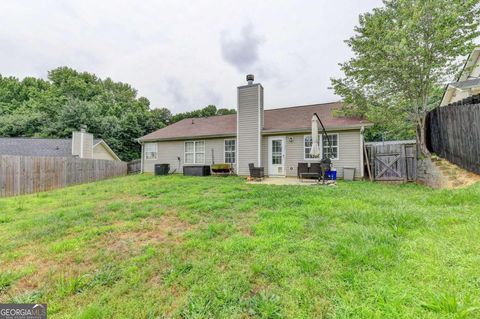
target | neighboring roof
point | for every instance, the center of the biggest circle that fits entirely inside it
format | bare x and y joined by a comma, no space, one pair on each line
467,84
289,119
464,78
37,146
472,60
107,148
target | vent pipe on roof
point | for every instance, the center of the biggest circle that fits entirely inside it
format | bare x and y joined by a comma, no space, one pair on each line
250,78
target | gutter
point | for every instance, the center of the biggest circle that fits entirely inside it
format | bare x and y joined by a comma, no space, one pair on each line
327,128
183,138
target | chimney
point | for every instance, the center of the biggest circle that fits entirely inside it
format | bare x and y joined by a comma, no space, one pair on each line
249,125
82,143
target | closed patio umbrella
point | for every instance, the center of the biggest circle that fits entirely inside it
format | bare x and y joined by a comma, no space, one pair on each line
315,150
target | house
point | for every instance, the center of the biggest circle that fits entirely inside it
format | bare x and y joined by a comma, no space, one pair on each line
82,145
468,83
277,139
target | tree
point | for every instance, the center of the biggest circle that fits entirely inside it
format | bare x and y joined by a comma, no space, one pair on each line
402,52
68,99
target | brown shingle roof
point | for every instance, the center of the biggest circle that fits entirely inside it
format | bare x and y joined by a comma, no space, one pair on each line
296,118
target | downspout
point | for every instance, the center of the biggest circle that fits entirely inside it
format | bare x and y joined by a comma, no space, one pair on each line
362,167
259,150
143,156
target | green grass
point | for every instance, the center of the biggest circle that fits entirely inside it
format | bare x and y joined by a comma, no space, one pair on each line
162,247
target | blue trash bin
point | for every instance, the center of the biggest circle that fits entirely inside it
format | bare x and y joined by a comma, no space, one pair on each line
332,174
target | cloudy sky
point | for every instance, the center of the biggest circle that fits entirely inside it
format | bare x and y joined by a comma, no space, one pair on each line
186,54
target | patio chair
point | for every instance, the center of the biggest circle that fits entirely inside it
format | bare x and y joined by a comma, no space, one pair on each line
256,172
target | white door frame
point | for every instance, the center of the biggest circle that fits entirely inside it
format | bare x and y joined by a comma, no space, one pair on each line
273,168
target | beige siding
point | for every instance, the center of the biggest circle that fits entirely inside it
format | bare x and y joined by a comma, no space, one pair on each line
87,145
100,152
168,152
249,126
476,69
85,150
349,152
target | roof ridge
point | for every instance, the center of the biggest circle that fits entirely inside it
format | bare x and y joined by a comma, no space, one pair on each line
277,108
306,105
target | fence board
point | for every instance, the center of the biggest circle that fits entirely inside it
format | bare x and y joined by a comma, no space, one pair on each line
134,166
453,132
26,174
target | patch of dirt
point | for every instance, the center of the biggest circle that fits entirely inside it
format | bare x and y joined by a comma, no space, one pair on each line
165,229
43,270
454,176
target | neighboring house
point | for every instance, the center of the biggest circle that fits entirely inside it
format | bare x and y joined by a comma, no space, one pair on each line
277,139
468,83
82,145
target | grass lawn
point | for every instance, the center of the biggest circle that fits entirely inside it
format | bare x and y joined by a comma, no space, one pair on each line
160,247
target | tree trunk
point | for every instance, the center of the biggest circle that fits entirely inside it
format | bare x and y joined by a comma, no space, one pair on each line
421,137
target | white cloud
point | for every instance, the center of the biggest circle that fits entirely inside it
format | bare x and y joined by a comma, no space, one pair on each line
242,52
186,54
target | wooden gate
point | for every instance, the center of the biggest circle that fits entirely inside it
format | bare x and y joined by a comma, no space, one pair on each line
134,167
392,161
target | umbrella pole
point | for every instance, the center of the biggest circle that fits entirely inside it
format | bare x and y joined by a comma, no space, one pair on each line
325,133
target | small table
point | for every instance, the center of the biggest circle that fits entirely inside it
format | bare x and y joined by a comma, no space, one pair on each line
311,175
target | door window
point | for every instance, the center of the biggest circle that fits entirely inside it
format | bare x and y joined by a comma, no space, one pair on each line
277,152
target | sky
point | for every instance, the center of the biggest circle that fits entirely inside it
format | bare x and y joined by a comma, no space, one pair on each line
185,55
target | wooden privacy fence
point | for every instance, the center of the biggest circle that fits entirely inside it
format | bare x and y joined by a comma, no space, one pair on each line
392,161
27,174
453,132
134,167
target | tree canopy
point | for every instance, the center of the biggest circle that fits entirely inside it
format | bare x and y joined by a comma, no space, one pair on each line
68,99
403,52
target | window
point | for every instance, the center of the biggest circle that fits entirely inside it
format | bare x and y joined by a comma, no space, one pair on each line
325,149
328,152
195,152
150,151
307,146
230,151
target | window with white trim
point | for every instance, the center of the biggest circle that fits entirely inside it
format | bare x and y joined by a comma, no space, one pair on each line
328,152
229,147
307,146
151,151
195,152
